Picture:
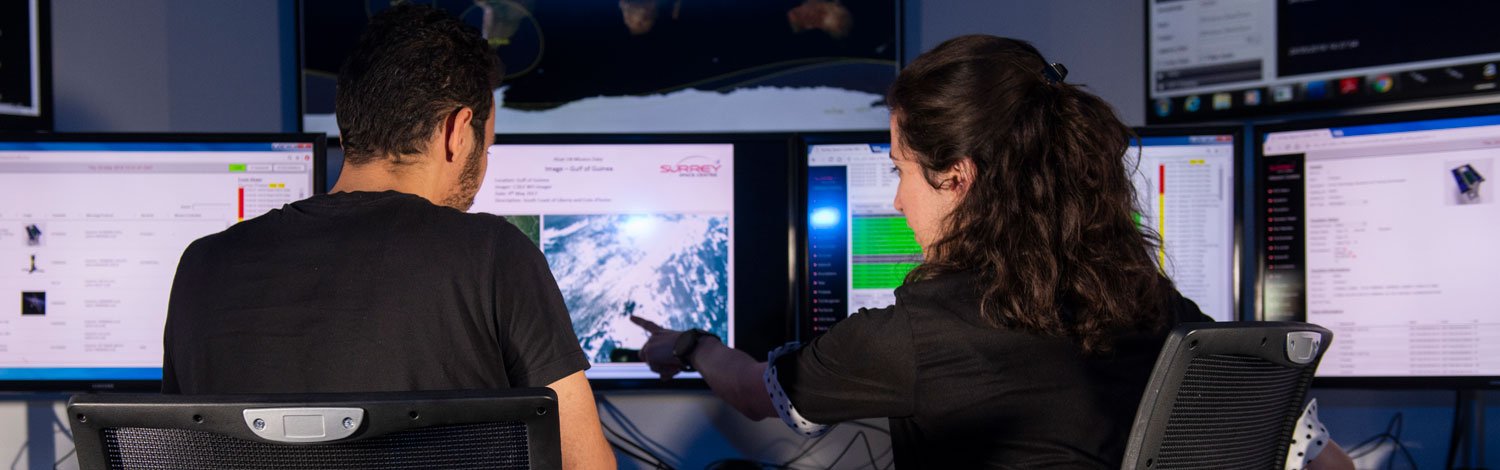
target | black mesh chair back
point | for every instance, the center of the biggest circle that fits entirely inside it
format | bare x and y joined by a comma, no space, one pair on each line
1225,396
512,429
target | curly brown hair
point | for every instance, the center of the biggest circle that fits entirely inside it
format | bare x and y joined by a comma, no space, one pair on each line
1049,222
414,65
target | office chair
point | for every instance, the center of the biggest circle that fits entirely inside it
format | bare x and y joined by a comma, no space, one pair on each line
1225,395
451,430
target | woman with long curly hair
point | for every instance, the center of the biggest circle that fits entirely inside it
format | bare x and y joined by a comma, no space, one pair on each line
1026,336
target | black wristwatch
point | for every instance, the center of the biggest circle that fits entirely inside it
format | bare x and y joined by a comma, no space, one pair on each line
686,343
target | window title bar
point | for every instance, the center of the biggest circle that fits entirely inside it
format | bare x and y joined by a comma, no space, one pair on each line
159,146
1184,140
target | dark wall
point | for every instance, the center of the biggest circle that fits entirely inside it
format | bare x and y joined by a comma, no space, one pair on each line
1101,41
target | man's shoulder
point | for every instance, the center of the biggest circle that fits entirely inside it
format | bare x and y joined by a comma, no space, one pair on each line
418,213
416,216
458,228
474,220
493,227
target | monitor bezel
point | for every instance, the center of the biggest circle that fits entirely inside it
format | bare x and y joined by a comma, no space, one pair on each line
786,140
44,120
1260,132
1242,306
320,153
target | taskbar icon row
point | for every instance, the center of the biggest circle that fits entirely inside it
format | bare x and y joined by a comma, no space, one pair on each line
1326,94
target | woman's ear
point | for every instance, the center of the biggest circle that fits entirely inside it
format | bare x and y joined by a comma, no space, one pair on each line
961,176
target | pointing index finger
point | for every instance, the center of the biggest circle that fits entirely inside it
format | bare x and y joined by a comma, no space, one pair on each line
648,325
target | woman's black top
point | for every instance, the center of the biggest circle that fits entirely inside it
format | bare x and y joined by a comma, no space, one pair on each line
962,394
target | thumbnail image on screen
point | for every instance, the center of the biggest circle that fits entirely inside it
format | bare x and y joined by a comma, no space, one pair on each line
20,61
90,236
859,248
638,66
1385,234
627,229
1214,59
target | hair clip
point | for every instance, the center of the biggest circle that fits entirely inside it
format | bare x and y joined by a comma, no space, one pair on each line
1055,72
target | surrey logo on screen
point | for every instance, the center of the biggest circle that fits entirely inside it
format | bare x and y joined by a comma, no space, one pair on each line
695,166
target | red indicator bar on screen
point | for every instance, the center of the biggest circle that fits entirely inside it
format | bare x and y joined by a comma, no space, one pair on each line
1161,213
242,203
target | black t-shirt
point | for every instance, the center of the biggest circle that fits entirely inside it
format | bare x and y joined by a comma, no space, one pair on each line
366,292
962,394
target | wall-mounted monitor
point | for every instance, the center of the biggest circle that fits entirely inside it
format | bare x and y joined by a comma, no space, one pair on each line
1382,229
649,66
92,227
686,231
1213,60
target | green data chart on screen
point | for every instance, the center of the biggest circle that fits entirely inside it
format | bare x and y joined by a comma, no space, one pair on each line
885,250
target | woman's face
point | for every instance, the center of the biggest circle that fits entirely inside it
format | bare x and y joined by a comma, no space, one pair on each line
926,208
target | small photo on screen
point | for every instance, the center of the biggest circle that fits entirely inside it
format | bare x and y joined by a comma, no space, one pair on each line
34,234
31,265
33,303
1466,184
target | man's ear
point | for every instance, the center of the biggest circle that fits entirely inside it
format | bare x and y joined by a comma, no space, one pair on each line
456,132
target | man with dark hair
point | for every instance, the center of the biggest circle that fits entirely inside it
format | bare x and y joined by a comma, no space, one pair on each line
386,284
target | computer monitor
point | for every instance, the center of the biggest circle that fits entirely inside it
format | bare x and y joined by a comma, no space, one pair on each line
25,65
633,66
1210,61
687,231
1382,229
1185,181
92,227
857,249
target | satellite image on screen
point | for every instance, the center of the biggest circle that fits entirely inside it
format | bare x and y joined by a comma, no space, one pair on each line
529,225
652,65
671,269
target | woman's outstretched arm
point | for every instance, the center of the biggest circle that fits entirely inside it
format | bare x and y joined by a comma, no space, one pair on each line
734,376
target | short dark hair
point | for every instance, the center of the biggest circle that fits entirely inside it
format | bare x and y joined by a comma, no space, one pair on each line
414,65
1049,222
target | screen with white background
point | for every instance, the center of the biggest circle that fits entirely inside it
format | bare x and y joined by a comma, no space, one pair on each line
90,236
1386,235
1186,189
627,229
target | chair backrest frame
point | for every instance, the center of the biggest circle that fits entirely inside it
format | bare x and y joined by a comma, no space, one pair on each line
1270,341
384,413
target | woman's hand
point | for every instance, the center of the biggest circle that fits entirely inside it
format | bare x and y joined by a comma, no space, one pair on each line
658,349
733,375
